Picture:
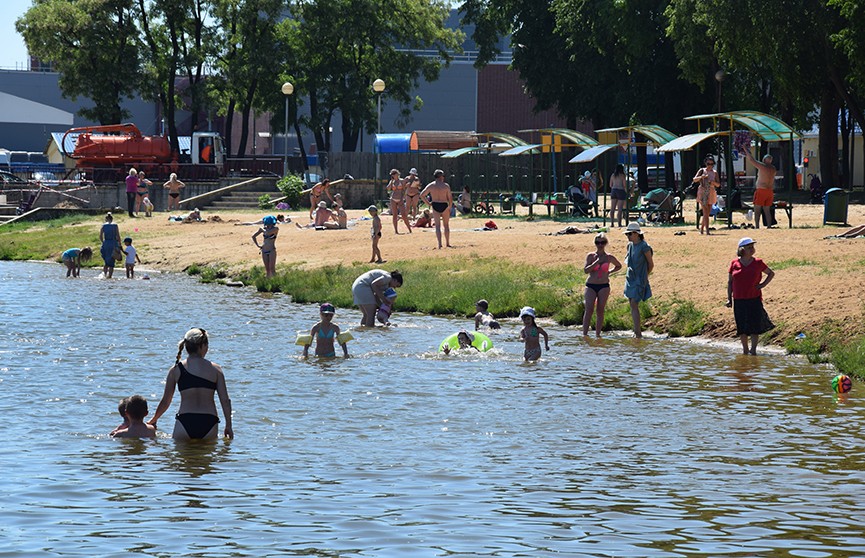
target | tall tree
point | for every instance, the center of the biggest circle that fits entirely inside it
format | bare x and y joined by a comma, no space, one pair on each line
347,44
249,59
94,46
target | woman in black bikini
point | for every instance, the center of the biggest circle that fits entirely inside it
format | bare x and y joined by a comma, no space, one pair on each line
598,283
197,379
142,191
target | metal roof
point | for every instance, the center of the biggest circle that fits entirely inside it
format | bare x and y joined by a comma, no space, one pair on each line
656,134
766,126
520,149
685,143
577,138
509,139
461,151
593,153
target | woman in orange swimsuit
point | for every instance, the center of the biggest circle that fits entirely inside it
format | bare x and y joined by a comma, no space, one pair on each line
598,283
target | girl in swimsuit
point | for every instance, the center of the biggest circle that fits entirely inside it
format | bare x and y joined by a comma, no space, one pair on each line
141,192
268,245
396,187
598,283
197,379
412,192
316,193
531,335
325,333
375,235
174,187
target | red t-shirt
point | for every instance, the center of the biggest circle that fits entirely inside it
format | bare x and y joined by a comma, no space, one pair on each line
746,278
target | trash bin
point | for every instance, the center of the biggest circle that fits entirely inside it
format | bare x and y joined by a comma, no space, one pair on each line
835,202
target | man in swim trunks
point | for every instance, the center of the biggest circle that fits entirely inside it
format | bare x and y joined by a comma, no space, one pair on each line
764,194
438,194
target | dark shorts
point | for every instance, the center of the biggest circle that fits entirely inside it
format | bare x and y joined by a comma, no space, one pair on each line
197,425
751,317
597,287
439,207
618,194
174,194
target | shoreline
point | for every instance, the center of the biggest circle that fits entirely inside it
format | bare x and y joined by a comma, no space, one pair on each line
816,289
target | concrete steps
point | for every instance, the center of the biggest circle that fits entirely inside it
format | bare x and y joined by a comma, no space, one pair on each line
242,199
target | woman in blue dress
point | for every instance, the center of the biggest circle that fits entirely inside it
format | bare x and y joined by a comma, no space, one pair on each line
109,236
640,265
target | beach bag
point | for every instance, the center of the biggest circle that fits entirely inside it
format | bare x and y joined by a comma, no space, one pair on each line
118,254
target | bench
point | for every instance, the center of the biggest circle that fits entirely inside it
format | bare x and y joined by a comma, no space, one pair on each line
746,207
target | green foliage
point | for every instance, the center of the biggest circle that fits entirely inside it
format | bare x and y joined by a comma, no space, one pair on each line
791,262
94,46
209,273
41,240
682,318
264,202
291,186
849,358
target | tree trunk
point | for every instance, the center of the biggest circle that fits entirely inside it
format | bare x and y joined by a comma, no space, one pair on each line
247,108
350,134
828,142
229,123
845,120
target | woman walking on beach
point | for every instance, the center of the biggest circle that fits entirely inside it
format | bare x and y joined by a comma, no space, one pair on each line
197,379
707,194
745,294
109,236
368,292
618,195
640,264
174,187
598,283
131,189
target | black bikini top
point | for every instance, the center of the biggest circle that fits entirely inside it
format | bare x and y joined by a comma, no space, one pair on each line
188,380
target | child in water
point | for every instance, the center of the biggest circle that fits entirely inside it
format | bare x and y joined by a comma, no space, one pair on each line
386,308
121,408
531,334
483,316
72,259
464,338
131,257
325,334
375,234
136,410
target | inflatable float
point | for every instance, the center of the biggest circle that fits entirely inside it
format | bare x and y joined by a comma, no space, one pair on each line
306,339
479,341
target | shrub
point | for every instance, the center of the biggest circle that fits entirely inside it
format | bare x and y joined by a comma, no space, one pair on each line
291,186
264,202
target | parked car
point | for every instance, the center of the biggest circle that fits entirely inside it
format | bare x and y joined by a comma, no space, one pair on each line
9,180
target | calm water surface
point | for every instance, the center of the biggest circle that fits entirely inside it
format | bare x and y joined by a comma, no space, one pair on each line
616,448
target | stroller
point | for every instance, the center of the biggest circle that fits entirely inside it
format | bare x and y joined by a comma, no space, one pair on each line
816,189
659,205
581,205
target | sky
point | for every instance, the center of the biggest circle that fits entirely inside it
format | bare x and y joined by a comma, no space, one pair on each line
13,53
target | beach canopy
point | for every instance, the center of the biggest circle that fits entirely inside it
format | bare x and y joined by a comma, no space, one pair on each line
688,142
592,153
520,150
656,134
764,125
576,138
462,151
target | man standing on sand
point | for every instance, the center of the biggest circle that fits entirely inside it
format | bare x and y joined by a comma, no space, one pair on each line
438,194
764,194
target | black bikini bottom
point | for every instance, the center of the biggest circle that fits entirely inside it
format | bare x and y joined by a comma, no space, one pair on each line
197,425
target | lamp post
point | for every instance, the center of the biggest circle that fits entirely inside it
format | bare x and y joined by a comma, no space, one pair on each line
728,156
378,87
287,90
719,77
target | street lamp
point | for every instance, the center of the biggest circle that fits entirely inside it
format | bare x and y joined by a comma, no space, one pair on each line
719,77
287,90
378,87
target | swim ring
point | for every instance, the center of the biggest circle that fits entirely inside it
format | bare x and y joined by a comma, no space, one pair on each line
479,341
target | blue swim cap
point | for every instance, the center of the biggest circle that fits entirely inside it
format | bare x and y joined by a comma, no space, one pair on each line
269,220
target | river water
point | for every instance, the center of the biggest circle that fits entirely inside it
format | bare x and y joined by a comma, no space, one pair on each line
611,448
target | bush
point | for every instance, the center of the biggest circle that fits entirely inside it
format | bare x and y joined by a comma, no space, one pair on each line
291,186
264,202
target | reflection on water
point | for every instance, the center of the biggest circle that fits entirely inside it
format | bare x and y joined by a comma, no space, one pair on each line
606,447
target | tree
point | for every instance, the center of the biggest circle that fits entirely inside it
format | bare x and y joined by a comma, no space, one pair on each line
346,44
93,45
608,62
248,60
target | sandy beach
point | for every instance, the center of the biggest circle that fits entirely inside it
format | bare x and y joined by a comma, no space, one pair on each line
818,281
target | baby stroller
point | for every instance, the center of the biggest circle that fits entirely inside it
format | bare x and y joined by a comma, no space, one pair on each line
581,205
659,205
816,189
